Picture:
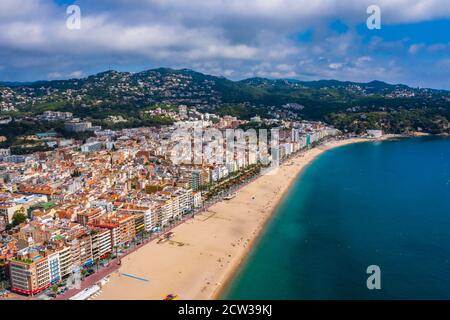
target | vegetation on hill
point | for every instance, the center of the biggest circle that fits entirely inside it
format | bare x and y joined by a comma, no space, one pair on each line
348,105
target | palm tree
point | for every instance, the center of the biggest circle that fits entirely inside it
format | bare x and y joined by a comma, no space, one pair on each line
55,289
97,262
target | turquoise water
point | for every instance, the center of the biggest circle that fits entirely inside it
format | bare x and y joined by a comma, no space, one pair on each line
377,203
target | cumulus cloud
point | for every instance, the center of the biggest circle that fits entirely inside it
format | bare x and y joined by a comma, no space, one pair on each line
335,66
233,38
76,74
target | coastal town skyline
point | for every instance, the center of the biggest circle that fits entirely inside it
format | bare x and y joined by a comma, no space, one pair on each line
84,206
224,150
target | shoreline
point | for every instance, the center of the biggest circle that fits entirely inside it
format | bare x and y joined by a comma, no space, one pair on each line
208,250
233,272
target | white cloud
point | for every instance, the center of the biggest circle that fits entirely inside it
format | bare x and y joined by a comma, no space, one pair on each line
13,9
54,75
335,66
76,74
290,10
284,67
234,38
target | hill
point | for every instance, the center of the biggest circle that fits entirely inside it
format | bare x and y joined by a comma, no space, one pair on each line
127,94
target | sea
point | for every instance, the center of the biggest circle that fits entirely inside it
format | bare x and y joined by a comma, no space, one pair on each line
364,221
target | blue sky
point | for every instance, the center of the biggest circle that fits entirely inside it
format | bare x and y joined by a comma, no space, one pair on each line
303,39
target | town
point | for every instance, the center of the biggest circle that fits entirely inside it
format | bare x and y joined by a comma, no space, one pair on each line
84,204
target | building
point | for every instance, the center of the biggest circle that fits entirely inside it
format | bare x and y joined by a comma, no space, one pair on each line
139,223
65,261
375,133
101,243
8,250
182,200
7,211
81,249
149,215
12,203
197,200
54,267
29,271
121,226
200,178
164,210
183,113
90,214
92,146
55,116
73,126
196,179
5,152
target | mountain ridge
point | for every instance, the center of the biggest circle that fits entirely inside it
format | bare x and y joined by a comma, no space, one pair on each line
248,81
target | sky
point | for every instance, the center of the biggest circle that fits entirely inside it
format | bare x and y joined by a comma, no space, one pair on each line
296,39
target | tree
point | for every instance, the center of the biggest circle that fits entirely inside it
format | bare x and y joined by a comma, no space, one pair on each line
84,272
75,174
18,218
55,289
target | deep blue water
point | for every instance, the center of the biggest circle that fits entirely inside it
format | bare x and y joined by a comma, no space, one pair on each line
377,203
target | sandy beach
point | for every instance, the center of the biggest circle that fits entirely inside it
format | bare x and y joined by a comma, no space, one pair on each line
207,250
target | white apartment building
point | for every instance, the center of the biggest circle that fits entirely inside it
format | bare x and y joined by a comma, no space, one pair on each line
65,261
92,146
197,199
164,211
185,200
101,243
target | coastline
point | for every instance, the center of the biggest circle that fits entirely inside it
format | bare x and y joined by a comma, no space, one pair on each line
207,251
228,278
